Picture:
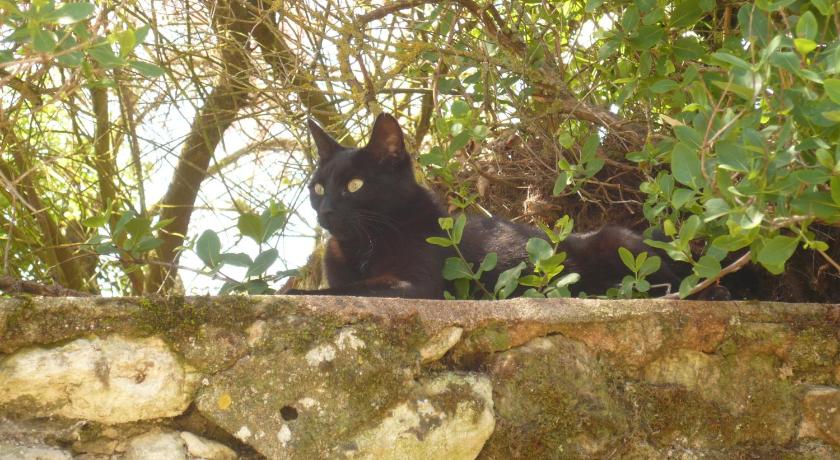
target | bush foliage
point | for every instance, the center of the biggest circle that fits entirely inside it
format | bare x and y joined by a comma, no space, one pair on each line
715,121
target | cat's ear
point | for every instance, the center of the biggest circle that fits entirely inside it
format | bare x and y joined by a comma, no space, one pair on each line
327,146
386,139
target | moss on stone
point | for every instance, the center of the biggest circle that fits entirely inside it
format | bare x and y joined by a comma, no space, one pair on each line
669,415
31,321
552,402
349,385
814,353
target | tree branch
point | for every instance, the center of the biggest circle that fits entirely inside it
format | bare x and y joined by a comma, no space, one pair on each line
219,111
11,285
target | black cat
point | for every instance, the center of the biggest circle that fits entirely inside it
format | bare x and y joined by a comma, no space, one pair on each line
379,218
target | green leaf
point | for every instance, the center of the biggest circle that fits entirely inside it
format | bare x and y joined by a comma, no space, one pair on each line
592,5
105,249
567,280
686,13
138,226
773,5
685,165
733,156
818,204
744,92
531,280
787,60
776,252
287,273
533,294
460,108
256,287
804,45
438,241
250,225
262,262
807,26
147,69
127,41
489,262
630,20
563,181
681,196
538,249
140,34
508,281
71,59
590,148
835,189
687,285
650,265
445,223
147,244
43,41
627,258
552,263
732,60
460,141
715,208
104,55
455,268
689,228
69,13
688,49
229,287
458,228
690,136
832,89
208,247
707,267
124,219
825,6
480,132
236,259
565,139
663,86
648,37
95,221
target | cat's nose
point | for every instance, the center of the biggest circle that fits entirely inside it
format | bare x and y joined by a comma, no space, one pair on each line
325,208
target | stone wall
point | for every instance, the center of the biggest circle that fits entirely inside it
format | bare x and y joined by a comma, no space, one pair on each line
320,377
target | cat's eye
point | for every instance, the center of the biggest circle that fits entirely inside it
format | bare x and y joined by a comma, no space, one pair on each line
319,189
355,185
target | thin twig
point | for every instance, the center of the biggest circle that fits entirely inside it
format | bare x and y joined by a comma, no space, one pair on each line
731,268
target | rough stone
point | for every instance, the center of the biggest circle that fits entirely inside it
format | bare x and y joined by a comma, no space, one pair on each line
748,385
633,341
156,446
312,384
32,452
821,415
552,398
199,447
316,377
440,343
109,380
450,417
691,369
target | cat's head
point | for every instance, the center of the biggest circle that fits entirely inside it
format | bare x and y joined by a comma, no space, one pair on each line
357,191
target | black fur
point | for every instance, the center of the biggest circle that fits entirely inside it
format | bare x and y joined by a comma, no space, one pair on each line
378,234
